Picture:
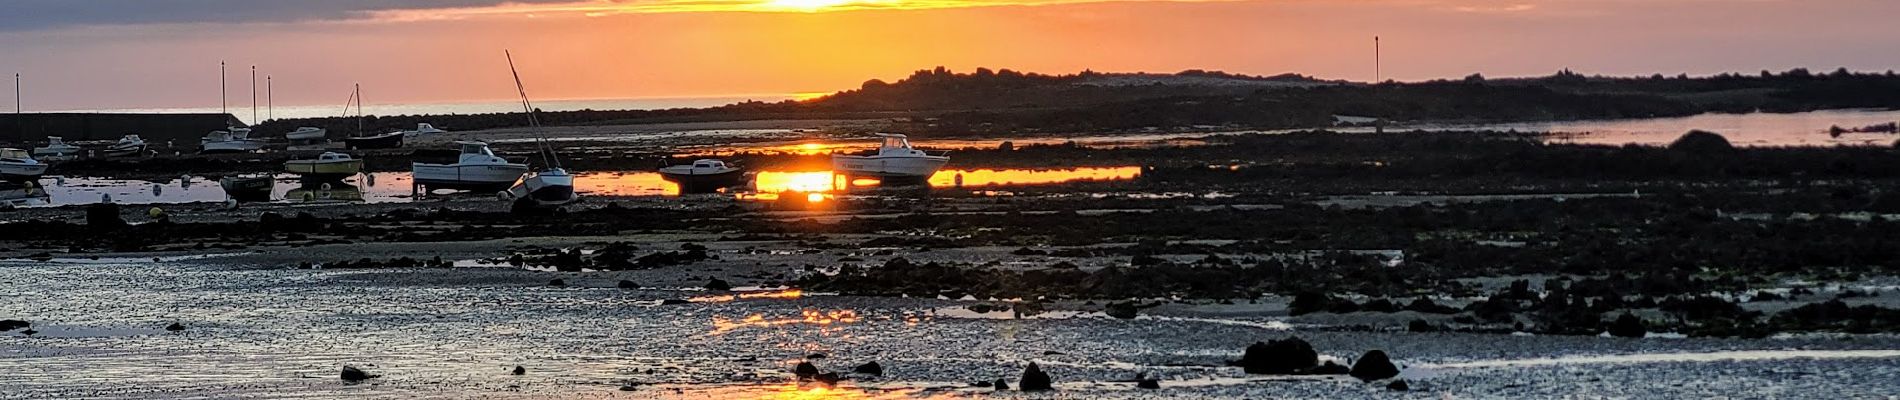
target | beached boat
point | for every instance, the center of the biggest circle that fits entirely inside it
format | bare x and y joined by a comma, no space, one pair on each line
392,140
704,176
894,159
56,148
248,188
549,187
329,166
17,165
423,129
22,195
307,134
477,168
325,192
234,140
128,146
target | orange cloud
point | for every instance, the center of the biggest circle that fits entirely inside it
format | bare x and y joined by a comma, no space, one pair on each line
601,8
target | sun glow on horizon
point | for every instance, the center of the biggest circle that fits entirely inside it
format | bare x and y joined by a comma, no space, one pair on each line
809,5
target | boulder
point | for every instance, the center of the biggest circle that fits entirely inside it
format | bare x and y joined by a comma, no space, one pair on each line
717,284
1628,326
1399,385
670,302
828,378
626,284
352,374
1286,356
1034,380
805,370
519,370
1144,382
174,327
1330,368
1122,310
870,368
1702,142
1374,366
557,283
11,324
1000,385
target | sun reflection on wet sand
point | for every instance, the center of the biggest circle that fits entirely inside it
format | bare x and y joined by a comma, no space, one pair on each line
794,391
788,294
808,316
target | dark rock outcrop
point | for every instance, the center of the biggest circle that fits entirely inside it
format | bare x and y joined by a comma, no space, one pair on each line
174,327
1000,385
1374,366
828,378
1034,380
805,370
1122,310
519,370
718,284
626,284
870,368
1330,368
1628,326
11,324
1399,385
1702,142
104,216
557,283
1286,356
352,374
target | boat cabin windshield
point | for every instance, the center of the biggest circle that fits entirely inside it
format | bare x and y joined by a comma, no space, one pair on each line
476,149
715,164
333,156
14,154
896,142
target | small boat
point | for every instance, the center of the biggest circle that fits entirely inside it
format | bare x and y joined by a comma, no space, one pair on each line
22,195
704,176
328,167
894,159
392,140
17,165
477,169
307,134
128,146
56,148
325,192
235,140
249,188
423,129
549,187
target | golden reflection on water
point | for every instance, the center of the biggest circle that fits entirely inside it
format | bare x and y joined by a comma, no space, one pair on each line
788,294
825,181
811,317
792,391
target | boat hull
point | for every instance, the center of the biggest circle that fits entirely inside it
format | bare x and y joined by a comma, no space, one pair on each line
248,189
124,151
318,134
56,151
545,189
385,141
318,170
888,167
20,172
325,193
231,146
705,183
481,178
22,195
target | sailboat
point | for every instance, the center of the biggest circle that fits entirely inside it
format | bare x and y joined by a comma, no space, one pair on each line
233,139
390,140
551,186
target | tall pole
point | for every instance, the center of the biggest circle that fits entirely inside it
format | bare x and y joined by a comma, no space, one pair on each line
1378,76
223,94
16,94
253,94
270,99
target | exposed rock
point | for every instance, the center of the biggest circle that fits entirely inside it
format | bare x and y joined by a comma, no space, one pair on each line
1034,380
626,284
805,370
670,302
828,378
1419,325
103,216
630,386
1374,366
29,332
1144,382
1702,142
352,374
1000,385
870,368
815,356
1287,356
174,327
520,371
1399,385
1122,310
1628,326
11,324
717,284
557,283
1330,368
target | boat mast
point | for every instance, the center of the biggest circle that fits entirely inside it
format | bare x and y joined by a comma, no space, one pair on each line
541,140
359,109
254,94
16,94
270,99
223,93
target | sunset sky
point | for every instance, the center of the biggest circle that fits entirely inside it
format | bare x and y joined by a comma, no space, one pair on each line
98,54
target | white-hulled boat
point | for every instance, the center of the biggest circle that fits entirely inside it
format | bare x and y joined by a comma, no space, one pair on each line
703,176
330,166
307,134
56,147
549,187
423,129
17,165
235,140
128,146
893,159
476,169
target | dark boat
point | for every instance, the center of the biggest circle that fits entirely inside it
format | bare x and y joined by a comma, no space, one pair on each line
704,176
249,188
390,140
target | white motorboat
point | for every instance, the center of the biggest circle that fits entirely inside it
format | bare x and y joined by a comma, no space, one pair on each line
17,165
235,140
703,176
307,134
328,167
423,129
549,187
128,146
56,147
893,159
477,168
